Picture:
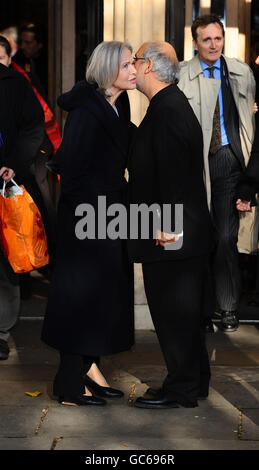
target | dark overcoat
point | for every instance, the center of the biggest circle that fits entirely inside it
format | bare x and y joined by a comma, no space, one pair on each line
166,167
21,124
90,306
23,131
248,187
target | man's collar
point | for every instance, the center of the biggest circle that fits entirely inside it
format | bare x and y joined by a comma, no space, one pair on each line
206,66
195,69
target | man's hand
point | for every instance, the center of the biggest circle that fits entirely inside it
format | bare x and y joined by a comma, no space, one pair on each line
255,108
242,205
164,238
6,173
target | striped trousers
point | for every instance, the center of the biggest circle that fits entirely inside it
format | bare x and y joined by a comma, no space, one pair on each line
225,172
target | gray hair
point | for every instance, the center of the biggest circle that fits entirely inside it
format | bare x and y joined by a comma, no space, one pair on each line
167,70
104,64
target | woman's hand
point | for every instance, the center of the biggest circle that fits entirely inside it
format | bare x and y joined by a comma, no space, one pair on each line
7,174
242,205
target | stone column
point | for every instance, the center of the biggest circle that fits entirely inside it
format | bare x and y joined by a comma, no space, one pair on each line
136,21
68,44
205,7
188,47
232,30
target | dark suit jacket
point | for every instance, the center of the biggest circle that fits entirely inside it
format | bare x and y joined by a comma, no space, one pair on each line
249,185
166,167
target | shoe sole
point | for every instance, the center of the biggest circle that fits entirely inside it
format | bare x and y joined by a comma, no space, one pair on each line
200,398
226,330
66,403
154,407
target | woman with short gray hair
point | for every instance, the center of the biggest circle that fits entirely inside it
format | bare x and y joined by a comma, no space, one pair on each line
90,311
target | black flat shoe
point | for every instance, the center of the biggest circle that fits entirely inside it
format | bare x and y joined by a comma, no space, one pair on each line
106,392
209,327
81,400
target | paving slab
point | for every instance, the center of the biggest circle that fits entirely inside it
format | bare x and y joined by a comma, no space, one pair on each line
145,444
120,420
29,443
248,430
227,420
14,393
252,414
19,421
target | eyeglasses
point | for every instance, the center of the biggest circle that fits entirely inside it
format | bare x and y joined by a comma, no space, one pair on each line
135,58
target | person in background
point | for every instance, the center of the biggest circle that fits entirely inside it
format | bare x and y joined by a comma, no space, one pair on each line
255,68
48,148
32,56
246,191
21,134
221,91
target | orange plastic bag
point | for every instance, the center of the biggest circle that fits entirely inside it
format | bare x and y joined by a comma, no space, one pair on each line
22,232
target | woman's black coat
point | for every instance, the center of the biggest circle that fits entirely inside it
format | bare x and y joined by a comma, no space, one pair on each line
90,307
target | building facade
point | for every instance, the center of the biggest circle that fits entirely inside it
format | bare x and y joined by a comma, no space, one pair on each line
75,27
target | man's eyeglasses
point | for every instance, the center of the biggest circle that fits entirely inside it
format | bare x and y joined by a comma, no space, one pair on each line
135,58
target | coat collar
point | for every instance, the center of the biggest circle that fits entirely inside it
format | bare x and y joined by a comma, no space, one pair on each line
85,95
104,112
5,72
195,68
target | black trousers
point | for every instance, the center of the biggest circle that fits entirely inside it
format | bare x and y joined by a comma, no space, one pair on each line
69,378
225,172
176,294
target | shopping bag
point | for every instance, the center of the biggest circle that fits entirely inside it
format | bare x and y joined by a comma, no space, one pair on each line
22,233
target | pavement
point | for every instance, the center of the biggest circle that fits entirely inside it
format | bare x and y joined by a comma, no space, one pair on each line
227,420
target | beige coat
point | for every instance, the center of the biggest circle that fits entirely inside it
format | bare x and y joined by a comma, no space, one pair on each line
202,95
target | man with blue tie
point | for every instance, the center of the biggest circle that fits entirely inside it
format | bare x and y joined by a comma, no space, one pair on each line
221,92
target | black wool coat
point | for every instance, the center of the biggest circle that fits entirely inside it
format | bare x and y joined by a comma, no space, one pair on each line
90,306
21,123
248,187
166,167
23,132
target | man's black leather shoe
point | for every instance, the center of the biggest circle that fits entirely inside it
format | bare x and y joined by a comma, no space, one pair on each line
154,391
209,327
229,321
4,350
161,401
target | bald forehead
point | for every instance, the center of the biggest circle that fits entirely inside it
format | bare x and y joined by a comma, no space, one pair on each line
162,46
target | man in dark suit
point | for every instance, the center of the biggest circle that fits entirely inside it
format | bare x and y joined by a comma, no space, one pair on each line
21,134
221,92
166,168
